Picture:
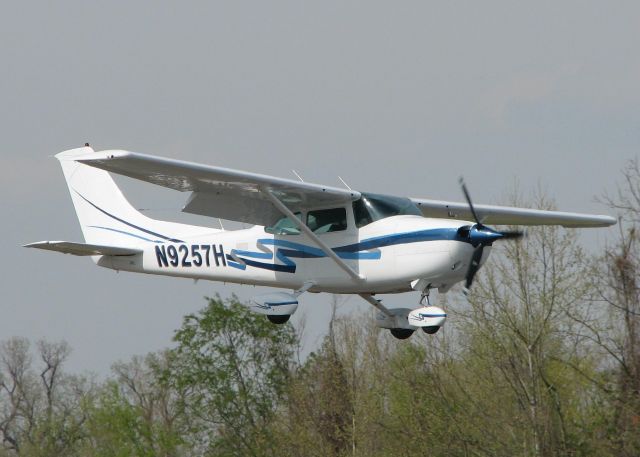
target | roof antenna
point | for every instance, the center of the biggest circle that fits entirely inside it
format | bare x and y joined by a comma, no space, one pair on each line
298,176
221,226
345,184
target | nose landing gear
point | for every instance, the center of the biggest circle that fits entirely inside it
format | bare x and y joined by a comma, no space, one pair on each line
402,322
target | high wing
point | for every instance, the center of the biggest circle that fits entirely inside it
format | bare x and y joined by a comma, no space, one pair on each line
68,247
220,192
504,215
248,197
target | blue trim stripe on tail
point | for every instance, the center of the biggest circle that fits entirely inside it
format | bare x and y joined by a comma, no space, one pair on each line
128,223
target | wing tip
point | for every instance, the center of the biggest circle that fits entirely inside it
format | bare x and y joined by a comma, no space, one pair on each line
599,221
38,244
73,154
88,154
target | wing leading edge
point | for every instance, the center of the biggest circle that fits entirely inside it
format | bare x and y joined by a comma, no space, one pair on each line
505,215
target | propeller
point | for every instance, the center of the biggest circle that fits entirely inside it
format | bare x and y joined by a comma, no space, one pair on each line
474,266
480,236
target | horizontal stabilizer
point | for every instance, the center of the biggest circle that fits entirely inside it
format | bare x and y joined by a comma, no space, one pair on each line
67,247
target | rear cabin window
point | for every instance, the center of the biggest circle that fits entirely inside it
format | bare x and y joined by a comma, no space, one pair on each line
284,226
327,220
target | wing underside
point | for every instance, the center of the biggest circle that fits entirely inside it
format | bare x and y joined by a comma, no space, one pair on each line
220,192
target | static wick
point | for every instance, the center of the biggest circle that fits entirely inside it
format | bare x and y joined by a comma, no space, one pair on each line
297,175
346,185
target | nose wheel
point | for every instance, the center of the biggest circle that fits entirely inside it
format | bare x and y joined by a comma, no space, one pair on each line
431,330
424,297
429,318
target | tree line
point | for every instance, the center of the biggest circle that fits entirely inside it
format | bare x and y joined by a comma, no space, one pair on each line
541,359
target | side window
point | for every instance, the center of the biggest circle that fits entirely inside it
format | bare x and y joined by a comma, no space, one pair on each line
327,220
284,226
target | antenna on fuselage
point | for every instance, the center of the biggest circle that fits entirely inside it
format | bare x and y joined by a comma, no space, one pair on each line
297,175
345,184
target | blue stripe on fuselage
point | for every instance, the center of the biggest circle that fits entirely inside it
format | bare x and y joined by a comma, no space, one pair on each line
367,249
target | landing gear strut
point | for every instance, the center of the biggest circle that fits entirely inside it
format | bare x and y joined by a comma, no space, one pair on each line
424,295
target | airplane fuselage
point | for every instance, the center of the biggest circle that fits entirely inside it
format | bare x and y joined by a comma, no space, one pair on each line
389,254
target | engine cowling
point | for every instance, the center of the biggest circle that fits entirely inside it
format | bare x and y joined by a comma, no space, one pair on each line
274,304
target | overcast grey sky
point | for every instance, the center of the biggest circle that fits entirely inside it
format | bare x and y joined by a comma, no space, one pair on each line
395,97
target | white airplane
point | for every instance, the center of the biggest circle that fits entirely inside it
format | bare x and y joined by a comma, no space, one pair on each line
306,237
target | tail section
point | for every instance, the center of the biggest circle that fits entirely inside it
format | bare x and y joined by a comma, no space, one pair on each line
105,215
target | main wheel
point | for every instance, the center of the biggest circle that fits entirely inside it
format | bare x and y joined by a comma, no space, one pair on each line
431,330
278,319
401,333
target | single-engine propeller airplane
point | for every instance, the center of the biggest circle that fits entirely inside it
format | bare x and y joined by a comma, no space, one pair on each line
305,238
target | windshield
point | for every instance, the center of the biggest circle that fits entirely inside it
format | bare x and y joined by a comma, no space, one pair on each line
372,207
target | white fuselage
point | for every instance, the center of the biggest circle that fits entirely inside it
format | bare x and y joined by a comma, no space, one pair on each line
389,254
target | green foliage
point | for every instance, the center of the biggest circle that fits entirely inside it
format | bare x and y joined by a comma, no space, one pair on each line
118,427
543,359
318,415
236,367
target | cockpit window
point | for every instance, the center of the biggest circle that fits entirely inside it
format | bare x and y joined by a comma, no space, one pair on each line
372,207
327,220
284,226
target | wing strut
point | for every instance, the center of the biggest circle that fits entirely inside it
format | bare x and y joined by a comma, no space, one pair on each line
302,226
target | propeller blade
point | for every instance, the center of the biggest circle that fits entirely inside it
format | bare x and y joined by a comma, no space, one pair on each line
468,198
474,266
511,234
480,236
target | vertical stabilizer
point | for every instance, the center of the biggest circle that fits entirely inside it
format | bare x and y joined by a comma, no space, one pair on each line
105,215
